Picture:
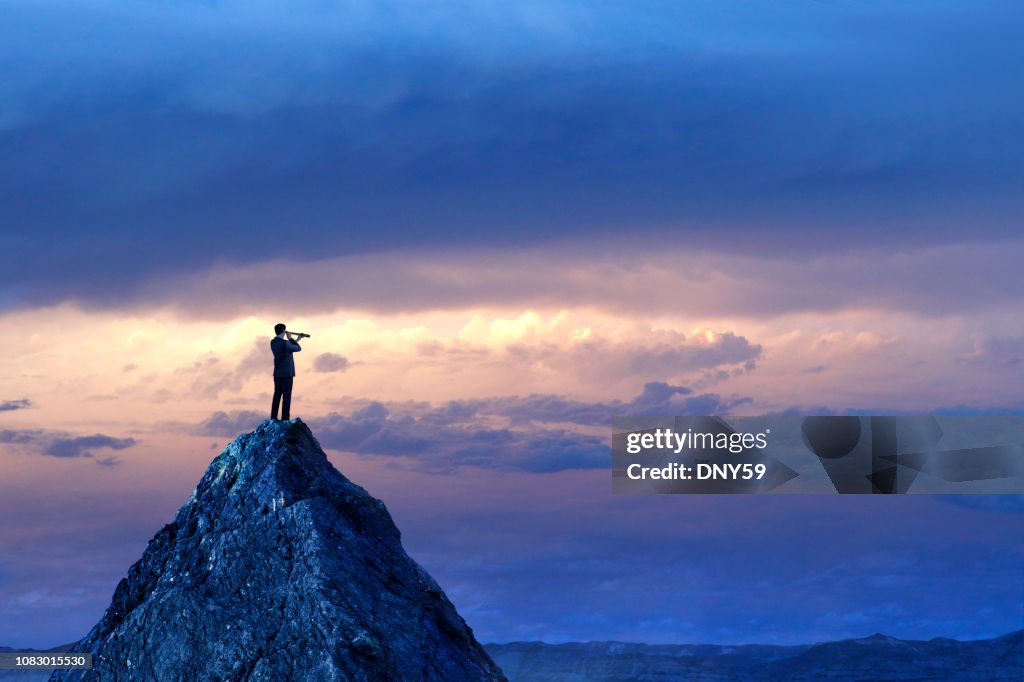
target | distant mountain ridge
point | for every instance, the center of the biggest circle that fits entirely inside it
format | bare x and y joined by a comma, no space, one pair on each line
877,658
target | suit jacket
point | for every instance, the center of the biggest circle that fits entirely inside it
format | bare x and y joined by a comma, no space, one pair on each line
284,365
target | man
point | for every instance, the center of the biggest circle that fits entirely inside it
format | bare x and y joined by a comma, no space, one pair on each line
282,347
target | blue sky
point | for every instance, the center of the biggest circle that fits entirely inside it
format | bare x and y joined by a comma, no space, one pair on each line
505,223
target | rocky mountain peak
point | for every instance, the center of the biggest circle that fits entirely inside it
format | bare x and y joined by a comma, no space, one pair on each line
280,568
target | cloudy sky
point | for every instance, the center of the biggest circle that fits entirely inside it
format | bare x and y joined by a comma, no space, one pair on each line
505,223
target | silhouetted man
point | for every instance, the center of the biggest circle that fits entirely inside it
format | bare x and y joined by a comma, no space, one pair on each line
284,370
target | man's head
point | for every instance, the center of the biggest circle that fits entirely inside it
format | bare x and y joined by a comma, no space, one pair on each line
279,328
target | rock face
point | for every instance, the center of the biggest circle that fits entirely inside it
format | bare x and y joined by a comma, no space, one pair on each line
279,568
869,659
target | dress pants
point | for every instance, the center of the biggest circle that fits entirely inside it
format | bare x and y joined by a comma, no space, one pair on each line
282,389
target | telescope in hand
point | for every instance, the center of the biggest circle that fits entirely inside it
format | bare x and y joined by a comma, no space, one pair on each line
299,335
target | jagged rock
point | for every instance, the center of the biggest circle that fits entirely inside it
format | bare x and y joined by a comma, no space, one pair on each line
279,568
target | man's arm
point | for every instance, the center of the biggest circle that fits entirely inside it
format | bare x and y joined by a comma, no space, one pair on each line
293,346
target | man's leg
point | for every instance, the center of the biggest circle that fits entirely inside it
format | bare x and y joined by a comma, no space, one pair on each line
278,390
286,409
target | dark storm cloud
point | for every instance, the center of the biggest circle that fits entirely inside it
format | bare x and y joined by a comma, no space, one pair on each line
657,398
64,445
435,446
462,432
330,362
232,133
221,423
82,446
644,274
11,405
436,441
